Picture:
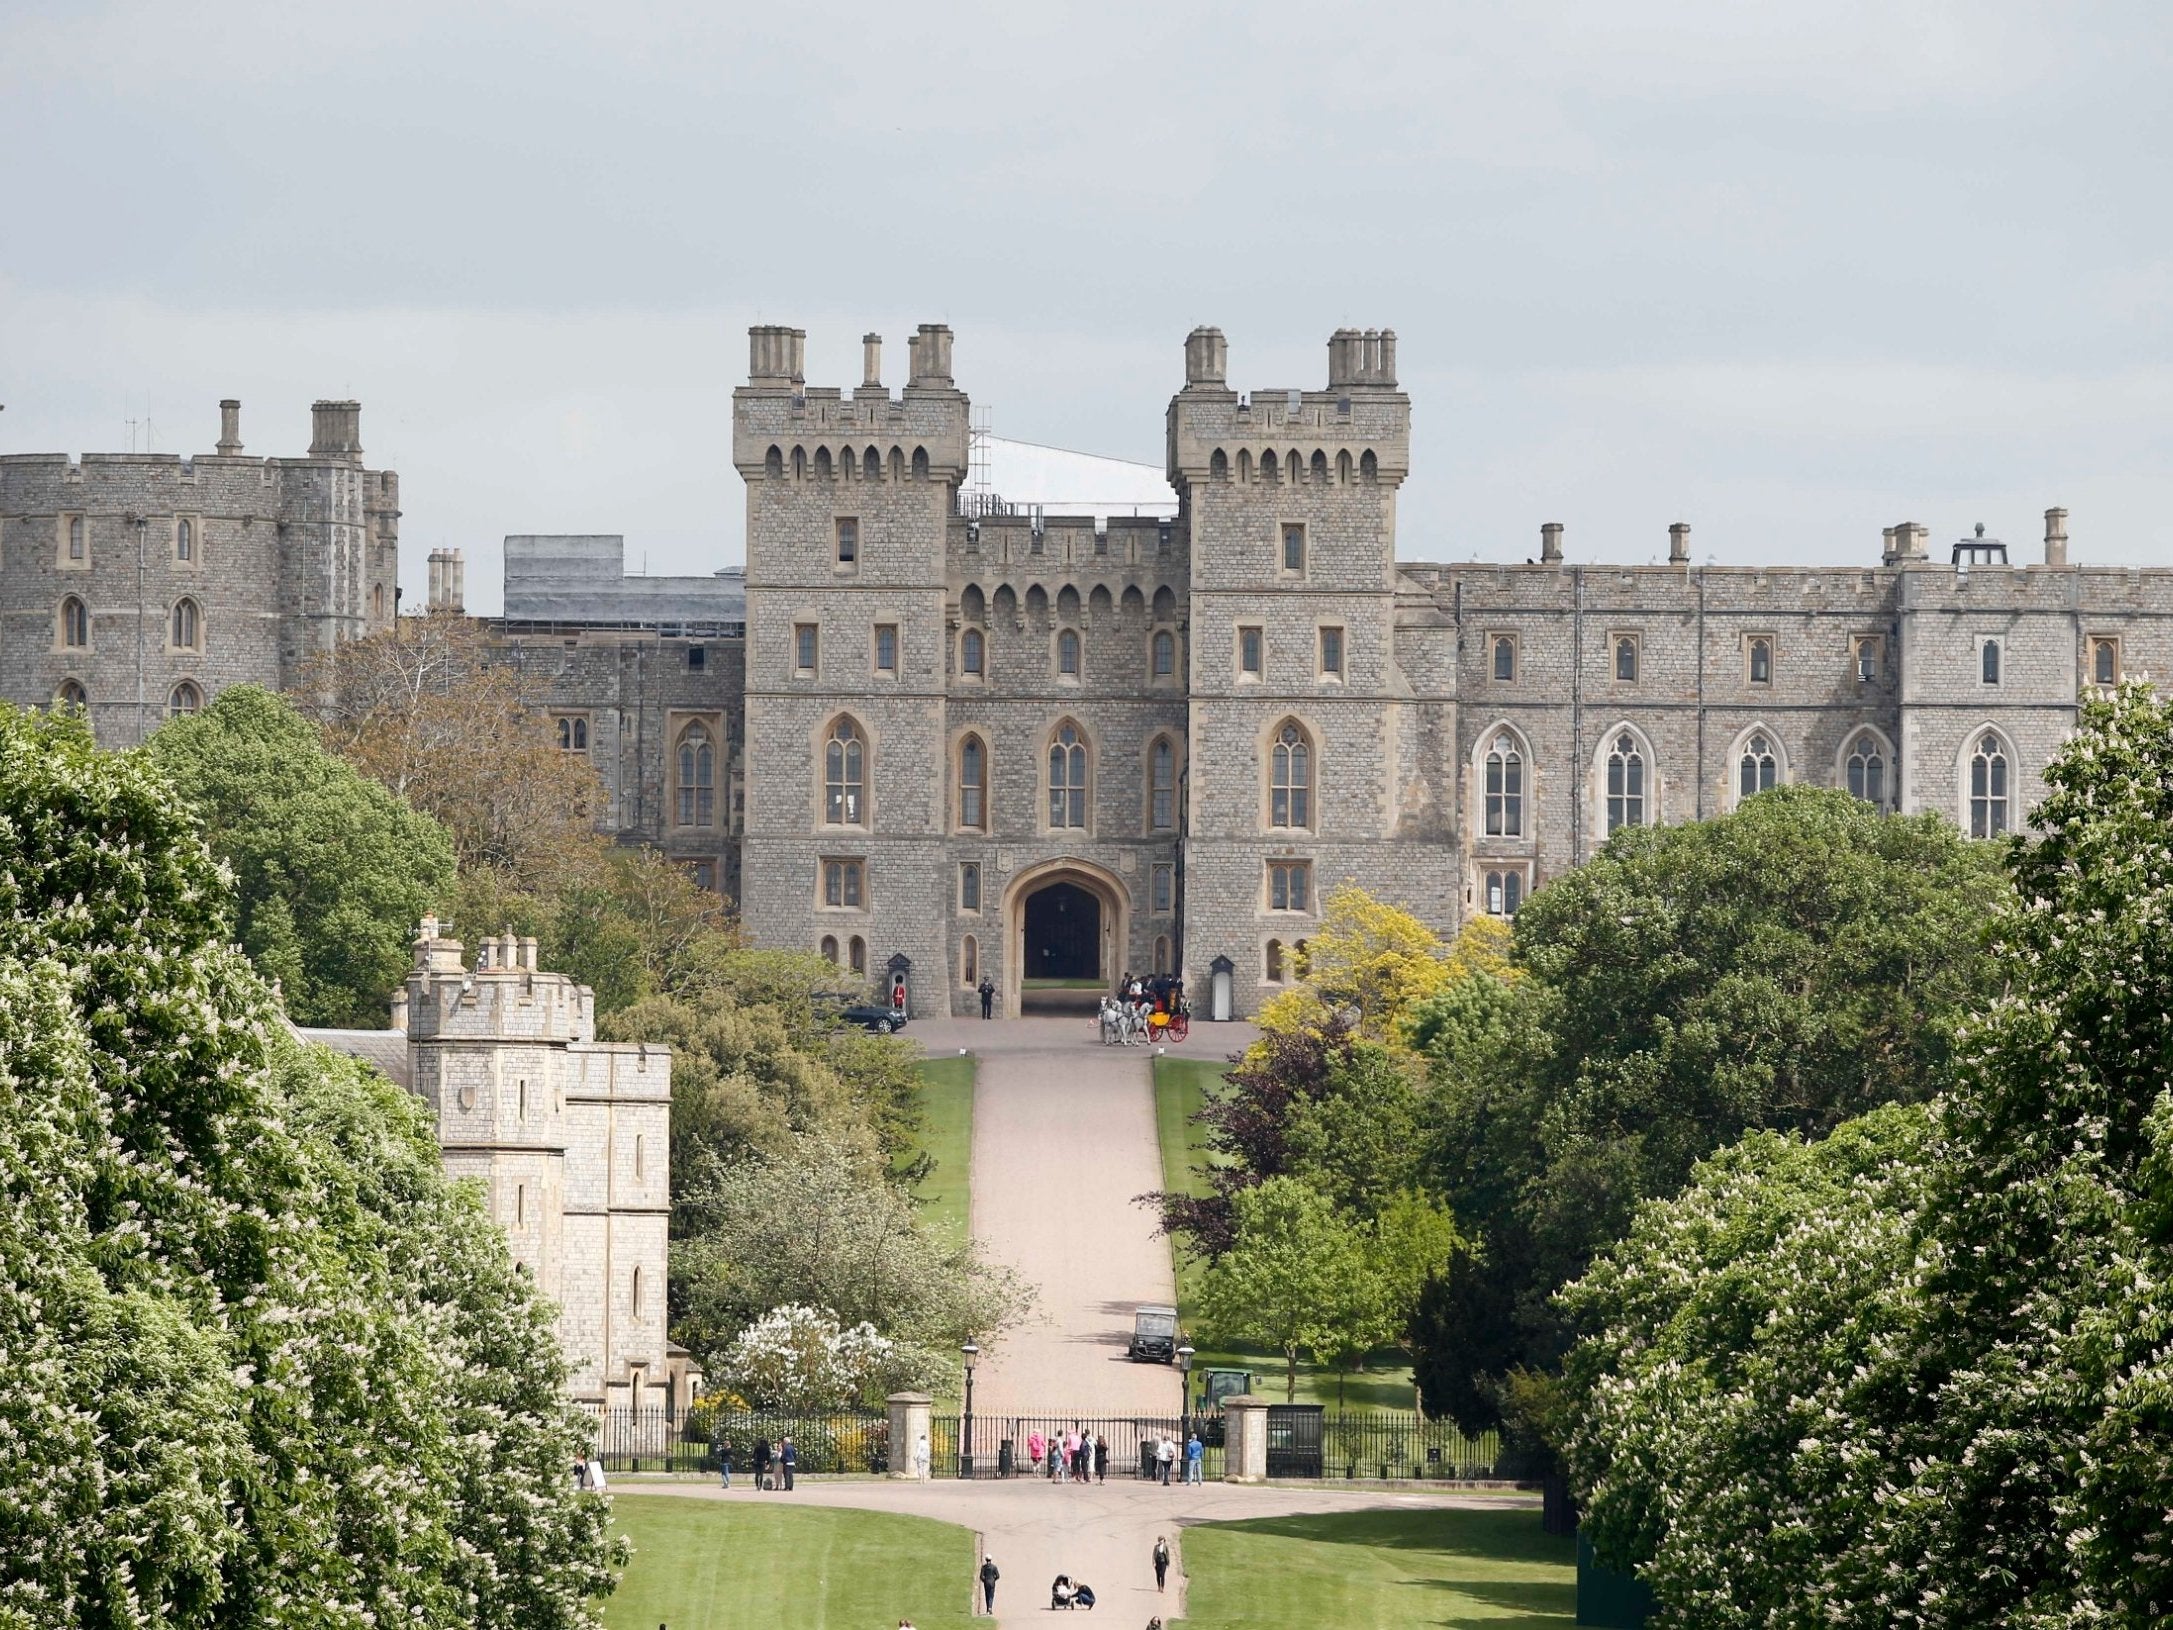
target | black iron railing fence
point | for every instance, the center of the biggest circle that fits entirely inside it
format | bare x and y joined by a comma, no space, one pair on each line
1302,1443
650,1440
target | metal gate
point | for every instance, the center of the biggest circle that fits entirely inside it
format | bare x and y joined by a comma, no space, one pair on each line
1004,1446
1294,1440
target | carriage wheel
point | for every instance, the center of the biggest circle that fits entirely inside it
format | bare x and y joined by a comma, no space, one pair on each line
1180,1026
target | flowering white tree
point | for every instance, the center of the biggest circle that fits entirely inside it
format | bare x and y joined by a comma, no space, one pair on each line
262,1366
800,1358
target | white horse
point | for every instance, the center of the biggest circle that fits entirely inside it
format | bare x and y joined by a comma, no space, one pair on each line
1111,1022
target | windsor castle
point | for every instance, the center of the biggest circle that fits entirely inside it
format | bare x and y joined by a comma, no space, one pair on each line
939,736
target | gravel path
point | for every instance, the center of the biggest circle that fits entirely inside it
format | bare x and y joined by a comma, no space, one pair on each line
1063,1141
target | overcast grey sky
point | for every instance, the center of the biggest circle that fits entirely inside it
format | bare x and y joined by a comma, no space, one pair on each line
1788,272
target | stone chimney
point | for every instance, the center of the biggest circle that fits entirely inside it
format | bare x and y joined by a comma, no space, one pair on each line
338,431
1678,544
774,354
229,429
448,581
1903,542
2055,537
1550,544
931,349
871,362
1362,358
1207,358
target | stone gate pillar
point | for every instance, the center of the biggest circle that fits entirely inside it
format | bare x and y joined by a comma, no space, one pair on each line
909,1412
1245,1439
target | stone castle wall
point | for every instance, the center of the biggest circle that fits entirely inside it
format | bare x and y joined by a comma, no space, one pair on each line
279,557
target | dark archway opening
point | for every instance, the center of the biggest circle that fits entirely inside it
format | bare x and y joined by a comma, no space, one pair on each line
1063,935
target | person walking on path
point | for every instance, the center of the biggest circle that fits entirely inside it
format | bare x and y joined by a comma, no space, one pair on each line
1101,1458
762,1463
789,1459
920,1458
988,997
989,1576
724,1462
1166,1457
1195,1454
1161,1560
1034,1445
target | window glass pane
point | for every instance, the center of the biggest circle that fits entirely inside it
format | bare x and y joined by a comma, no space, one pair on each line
1625,659
1331,650
969,887
1505,659
970,651
1165,655
1991,662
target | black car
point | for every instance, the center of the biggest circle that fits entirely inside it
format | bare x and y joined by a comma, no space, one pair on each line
873,1016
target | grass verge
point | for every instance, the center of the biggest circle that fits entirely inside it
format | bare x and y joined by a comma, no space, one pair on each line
1181,1086
708,1565
1411,1567
947,1138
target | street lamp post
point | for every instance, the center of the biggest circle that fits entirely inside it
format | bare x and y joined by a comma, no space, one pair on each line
972,1351
1184,1386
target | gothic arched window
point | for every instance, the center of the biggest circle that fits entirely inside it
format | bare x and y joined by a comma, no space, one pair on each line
1290,778
186,698
71,694
972,653
845,776
184,540
1067,653
1165,654
1759,766
1625,783
1504,770
1162,785
75,623
1067,777
973,784
1988,787
187,625
1626,660
1866,769
1274,962
697,776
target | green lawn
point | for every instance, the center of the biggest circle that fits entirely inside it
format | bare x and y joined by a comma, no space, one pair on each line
1380,1568
699,1565
947,1137
1180,1087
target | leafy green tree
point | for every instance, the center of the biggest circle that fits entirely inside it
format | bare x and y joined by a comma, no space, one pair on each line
331,871
809,1226
1291,1279
1404,1246
1783,967
1359,1140
1918,1373
267,1367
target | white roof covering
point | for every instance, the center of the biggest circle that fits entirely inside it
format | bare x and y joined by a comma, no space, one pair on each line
1056,481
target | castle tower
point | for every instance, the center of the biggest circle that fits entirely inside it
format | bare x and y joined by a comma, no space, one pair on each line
849,503
1304,744
569,1138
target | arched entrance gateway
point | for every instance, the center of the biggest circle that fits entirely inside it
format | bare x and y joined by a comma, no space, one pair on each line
1066,926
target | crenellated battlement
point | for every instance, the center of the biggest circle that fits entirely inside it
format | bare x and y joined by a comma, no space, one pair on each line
1356,430
785,429
504,998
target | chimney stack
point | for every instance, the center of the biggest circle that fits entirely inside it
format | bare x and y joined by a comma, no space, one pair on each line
448,581
1207,358
2055,537
229,429
1903,542
774,354
338,431
871,362
1550,544
931,349
1678,544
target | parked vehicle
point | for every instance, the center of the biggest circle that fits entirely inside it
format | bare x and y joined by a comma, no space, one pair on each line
873,1016
1154,1334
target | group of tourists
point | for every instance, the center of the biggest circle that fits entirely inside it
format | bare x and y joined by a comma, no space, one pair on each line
1167,1452
1066,1592
774,1463
1071,1457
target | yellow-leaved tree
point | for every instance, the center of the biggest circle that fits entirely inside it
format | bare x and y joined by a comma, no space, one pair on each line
1372,964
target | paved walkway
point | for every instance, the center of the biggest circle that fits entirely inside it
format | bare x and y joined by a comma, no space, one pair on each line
1063,1143
1103,1534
